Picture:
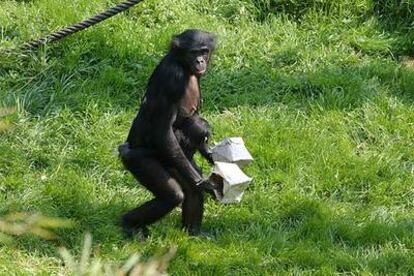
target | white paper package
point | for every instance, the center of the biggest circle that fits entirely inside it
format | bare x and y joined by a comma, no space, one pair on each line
232,150
234,181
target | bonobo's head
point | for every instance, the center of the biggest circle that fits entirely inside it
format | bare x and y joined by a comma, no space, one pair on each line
194,48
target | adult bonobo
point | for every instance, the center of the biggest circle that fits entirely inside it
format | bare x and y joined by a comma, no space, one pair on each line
159,162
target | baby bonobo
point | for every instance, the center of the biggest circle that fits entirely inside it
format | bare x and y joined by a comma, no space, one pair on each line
193,135
159,148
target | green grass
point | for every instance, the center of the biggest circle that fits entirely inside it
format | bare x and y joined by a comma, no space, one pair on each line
321,91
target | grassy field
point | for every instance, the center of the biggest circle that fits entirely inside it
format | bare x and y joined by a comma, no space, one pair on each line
321,91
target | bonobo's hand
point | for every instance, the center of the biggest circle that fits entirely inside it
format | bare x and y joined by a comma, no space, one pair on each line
210,158
207,153
205,184
212,188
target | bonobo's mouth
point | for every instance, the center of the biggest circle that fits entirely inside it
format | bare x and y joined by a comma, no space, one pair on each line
200,69
200,72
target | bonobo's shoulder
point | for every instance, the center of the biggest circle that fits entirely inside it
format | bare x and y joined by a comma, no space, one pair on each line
170,66
167,72
169,76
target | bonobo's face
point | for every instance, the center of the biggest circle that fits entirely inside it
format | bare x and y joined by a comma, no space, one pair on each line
195,48
197,59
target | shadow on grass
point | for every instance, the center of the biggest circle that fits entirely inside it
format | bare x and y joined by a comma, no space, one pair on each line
394,18
101,220
294,232
113,80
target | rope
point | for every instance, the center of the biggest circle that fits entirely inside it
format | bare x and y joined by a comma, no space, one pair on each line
82,25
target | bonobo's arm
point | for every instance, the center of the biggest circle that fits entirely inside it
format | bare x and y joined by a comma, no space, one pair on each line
168,146
206,152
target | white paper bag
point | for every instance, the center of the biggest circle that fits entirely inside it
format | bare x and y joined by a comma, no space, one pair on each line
232,150
232,180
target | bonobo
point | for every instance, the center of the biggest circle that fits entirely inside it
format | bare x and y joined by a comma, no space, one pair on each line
169,109
193,135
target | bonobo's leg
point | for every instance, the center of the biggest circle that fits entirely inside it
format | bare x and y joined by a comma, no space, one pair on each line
168,193
192,206
193,210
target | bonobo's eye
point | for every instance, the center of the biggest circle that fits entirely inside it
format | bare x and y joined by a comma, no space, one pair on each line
205,52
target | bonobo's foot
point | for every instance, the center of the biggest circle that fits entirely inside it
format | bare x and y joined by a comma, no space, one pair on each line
131,232
199,233
193,231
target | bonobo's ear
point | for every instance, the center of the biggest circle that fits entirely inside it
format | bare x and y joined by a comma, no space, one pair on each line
175,42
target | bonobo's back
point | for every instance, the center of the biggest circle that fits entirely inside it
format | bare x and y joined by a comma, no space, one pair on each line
165,87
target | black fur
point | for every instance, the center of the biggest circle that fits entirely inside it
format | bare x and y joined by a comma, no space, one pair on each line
193,135
153,154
